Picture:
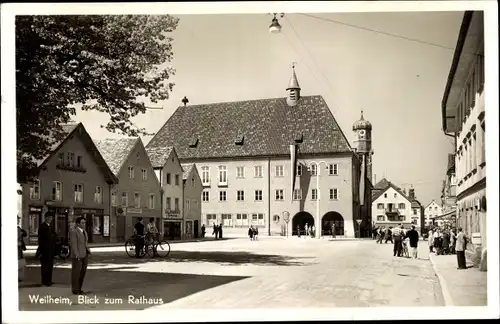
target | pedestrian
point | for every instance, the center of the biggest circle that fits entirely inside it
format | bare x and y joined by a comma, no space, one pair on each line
250,232
446,242
298,230
412,235
453,240
220,231
333,230
203,230
460,248
381,234
46,248
312,230
388,235
398,240
437,241
21,247
79,255
430,240
139,236
256,233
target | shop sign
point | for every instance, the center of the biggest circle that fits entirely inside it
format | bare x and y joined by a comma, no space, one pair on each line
476,238
36,209
89,211
105,227
134,210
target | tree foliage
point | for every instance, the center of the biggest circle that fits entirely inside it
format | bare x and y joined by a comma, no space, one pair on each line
102,62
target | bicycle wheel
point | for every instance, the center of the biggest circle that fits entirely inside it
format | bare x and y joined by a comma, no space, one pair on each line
130,248
162,249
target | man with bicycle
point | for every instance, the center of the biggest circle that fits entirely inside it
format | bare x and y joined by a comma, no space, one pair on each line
151,232
139,236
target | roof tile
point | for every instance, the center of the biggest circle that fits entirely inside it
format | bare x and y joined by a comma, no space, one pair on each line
187,167
158,155
115,151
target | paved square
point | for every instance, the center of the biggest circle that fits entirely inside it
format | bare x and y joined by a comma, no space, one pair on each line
239,273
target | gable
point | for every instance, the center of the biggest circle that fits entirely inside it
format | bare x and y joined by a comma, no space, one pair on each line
390,191
116,151
268,127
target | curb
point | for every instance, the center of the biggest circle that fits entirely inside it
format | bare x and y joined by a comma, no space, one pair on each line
448,301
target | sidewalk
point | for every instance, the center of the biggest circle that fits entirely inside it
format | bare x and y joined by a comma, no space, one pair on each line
460,287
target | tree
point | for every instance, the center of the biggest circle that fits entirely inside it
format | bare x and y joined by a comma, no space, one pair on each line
102,62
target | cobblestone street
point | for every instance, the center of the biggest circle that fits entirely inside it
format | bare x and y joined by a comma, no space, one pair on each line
272,272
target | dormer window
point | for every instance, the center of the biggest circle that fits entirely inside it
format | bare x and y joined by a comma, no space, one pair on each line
299,138
193,142
239,140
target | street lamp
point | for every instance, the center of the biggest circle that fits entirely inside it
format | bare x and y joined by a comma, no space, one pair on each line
275,26
318,173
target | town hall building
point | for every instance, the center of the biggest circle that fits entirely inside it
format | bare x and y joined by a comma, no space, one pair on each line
276,164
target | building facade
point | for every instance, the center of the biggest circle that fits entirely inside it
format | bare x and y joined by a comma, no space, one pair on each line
169,171
463,117
390,205
138,192
192,189
277,164
73,180
433,211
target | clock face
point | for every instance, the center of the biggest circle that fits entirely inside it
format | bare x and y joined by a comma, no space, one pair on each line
362,133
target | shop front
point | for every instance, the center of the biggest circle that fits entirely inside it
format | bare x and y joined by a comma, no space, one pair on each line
97,224
189,229
172,226
35,218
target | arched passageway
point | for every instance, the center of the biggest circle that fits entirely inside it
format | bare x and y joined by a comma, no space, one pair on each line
329,219
301,219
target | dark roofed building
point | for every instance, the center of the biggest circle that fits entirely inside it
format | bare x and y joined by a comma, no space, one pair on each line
243,151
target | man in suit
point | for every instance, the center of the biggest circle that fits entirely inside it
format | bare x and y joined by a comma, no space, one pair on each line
79,255
460,248
46,248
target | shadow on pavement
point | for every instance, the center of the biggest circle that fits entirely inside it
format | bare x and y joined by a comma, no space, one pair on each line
157,288
219,257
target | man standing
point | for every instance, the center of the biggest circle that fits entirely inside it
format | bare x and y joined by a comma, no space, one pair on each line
139,239
79,255
203,230
413,236
46,247
398,241
460,249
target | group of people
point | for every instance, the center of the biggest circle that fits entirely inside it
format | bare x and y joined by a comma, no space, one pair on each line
217,231
405,241
144,239
309,230
444,241
253,233
382,233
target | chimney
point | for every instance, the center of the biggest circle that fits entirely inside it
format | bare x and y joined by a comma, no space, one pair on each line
411,194
185,101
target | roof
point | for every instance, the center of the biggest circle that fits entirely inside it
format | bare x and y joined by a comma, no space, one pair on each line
361,123
416,204
115,151
187,167
67,129
158,155
264,127
294,83
382,187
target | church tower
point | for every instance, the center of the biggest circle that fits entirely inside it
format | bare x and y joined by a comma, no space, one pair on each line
363,142
293,89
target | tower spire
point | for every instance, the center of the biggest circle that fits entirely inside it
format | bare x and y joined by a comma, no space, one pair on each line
293,88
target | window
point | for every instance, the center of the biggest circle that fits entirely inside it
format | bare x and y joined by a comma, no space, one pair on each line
167,178
211,219
379,206
168,203
279,170
414,212
131,172
333,169
334,194
314,169
314,194
222,175
402,206
192,182
152,201
242,220
205,175
205,196
297,194
240,195
188,204
79,193
71,158
380,217
222,195
144,174
395,195
79,161
113,198
240,172
385,195
261,219
299,169
258,171
176,179
258,195
137,200
177,204
35,190
124,199
279,194
276,218
56,191
227,220
98,195
60,160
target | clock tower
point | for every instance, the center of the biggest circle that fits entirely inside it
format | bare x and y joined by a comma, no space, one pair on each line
363,142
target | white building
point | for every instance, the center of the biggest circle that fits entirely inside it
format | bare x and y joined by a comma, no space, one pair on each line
433,210
390,205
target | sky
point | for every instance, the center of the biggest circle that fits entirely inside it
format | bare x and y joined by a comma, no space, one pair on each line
398,83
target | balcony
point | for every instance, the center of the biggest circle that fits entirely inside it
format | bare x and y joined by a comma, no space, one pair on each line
72,168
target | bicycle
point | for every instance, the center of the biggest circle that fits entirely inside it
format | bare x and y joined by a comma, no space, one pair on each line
159,248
